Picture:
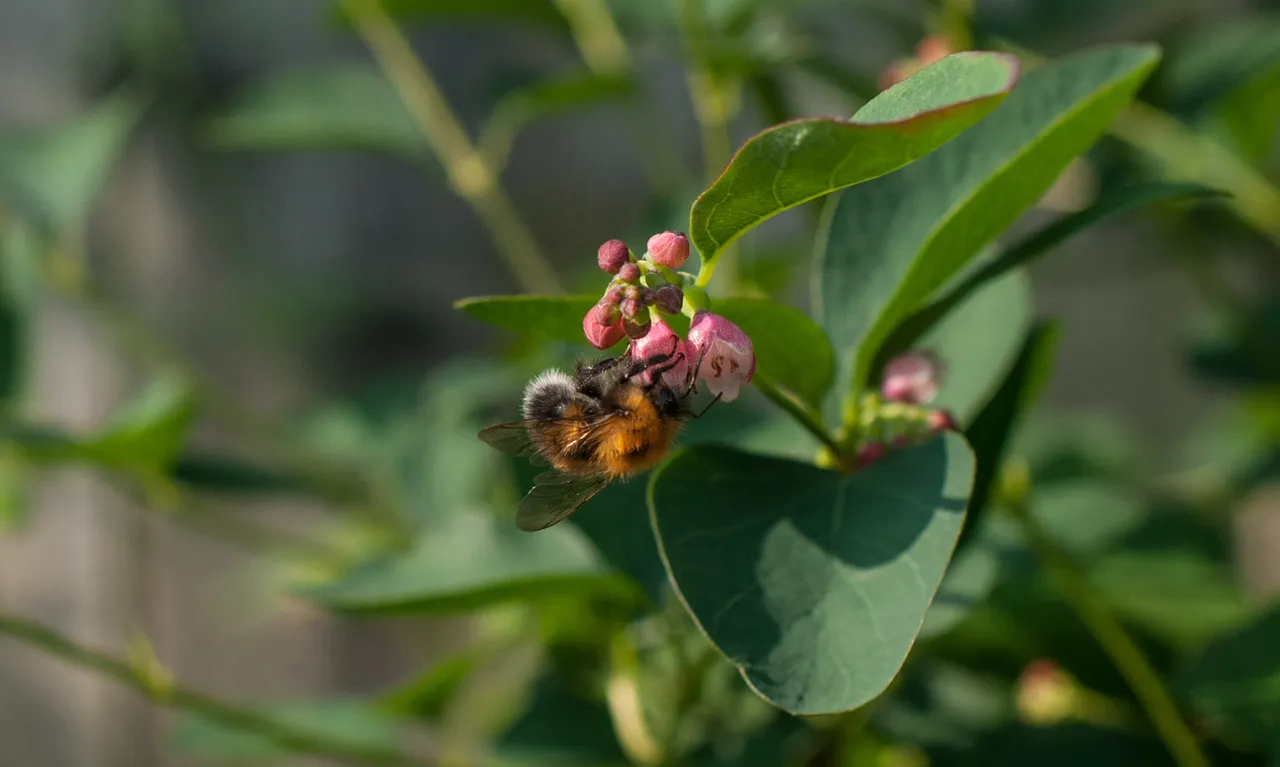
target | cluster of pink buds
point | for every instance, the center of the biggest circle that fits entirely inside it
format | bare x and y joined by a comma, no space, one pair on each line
911,382
642,291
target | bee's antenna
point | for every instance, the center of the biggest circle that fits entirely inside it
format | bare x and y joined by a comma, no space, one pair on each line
709,404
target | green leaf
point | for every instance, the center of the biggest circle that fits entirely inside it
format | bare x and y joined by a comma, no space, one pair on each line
353,723
474,559
813,583
536,12
1215,58
560,727
978,342
791,350
428,695
1235,681
555,317
1174,578
891,243
971,576
345,106
149,431
522,107
56,171
213,472
1036,244
798,161
991,429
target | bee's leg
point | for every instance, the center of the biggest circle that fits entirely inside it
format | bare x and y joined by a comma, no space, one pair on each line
691,385
708,407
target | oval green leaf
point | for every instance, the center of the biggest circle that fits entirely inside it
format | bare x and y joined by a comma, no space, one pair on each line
348,106
978,343
801,160
473,559
54,172
813,583
891,243
1040,242
558,318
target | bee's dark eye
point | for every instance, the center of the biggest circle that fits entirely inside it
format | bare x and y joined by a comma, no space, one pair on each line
665,399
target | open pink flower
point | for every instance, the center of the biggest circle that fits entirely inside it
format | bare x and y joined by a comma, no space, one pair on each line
602,325
913,378
661,339
728,358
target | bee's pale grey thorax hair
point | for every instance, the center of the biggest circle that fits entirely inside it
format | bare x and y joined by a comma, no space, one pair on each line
547,394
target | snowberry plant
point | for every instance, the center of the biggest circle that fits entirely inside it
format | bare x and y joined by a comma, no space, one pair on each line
814,573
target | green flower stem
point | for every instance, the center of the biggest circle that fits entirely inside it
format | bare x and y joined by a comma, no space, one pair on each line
1146,684
468,170
712,107
154,684
805,415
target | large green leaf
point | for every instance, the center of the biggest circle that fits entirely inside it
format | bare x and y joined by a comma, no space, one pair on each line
990,431
558,318
798,161
815,584
1036,244
978,342
791,350
355,724
891,243
55,172
344,106
1236,680
473,559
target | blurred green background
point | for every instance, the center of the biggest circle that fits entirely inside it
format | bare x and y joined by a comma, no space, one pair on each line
219,215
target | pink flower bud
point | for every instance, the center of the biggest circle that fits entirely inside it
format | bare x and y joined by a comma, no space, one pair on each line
636,330
632,308
1045,694
669,249
669,299
601,334
612,296
629,272
870,453
728,359
912,378
662,340
612,256
632,293
941,420
648,297
606,313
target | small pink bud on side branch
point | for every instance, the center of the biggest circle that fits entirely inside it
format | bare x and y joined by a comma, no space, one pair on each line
669,249
912,378
612,255
629,273
728,358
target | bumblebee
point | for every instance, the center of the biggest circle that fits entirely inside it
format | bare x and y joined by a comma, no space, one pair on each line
606,421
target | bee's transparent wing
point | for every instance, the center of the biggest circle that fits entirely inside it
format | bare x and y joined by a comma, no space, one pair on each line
556,495
513,439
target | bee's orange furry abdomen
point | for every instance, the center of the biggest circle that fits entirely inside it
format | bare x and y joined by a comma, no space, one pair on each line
637,439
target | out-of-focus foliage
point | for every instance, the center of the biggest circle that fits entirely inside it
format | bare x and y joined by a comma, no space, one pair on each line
772,593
